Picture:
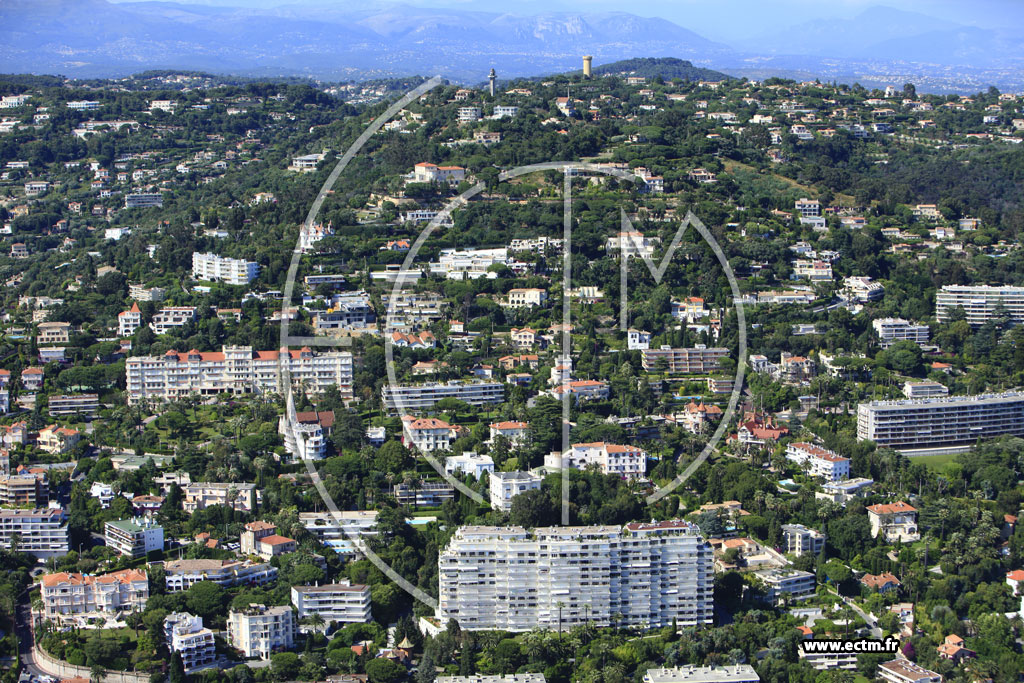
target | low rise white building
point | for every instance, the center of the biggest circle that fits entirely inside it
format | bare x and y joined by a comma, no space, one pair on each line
738,673
473,464
820,462
504,486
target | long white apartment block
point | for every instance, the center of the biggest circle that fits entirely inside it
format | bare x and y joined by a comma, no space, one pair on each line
952,421
235,370
890,330
481,678
180,575
512,579
738,673
980,302
699,359
415,397
222,269
342,602
41,532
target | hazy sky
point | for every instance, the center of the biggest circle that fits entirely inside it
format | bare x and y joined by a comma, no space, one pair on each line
722,20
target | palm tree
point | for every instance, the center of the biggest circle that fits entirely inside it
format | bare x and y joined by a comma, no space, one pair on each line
97,673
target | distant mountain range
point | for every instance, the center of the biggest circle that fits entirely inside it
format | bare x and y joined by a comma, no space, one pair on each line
89,38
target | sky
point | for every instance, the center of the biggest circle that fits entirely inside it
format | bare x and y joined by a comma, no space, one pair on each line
722,20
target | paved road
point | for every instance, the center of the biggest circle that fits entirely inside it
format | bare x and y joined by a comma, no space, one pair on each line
868,618
26,637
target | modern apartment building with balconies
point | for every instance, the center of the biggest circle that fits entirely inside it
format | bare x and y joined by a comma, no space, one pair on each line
953,422
512,579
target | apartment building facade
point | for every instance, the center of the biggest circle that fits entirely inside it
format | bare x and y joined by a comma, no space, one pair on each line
260,631
510,579
820,462
698,360
981,303
42,532
185,634
237,495
68,595
182,574
929,423
799,539
628,462
134,537
416,397
737,673
342,602
230,271
891,330
78,404
21,490
504,486
235,370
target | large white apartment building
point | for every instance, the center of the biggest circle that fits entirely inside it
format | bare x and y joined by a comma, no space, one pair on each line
699,359
236,370
821,462
182,574
342,602
222,269
953,421
68,595
134,537
414,397
260,631
738,673
628,462
980,302
890,330
185,634
42,532
511,579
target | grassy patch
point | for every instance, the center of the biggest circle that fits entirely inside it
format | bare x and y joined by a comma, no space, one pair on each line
936,463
